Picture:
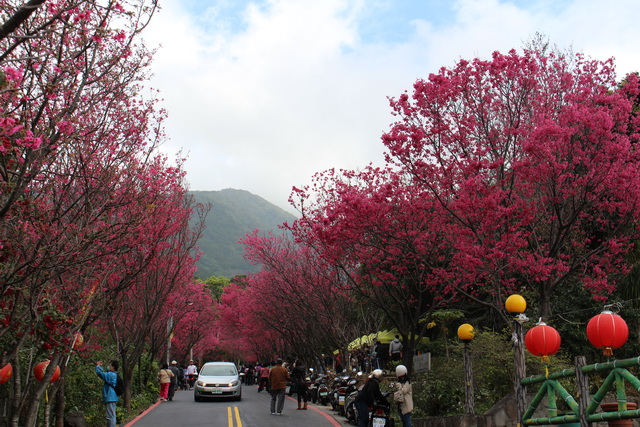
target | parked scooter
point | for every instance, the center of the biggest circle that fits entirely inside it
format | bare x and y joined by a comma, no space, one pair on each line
322,390
314,386
349,408
343,392
379,414
334,396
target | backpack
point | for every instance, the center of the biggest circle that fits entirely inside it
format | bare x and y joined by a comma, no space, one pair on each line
119,388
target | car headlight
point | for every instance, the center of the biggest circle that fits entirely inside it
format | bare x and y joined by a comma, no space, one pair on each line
233,383
201,383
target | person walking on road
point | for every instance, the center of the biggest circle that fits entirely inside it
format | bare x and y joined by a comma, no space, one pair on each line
192,373
278,377
263,379
367,396
174,379
299,375
403,395
395,349
164,378
109,396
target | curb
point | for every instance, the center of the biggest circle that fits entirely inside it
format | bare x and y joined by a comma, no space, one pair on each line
145,412
333,420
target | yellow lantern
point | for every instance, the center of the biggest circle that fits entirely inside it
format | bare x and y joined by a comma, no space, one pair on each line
515,304
466,332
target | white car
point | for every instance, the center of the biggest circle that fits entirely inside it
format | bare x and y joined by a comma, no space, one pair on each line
217,379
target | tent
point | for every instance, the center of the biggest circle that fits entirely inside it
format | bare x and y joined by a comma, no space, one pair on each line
385,337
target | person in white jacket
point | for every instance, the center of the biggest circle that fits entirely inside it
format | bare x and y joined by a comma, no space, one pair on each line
403,395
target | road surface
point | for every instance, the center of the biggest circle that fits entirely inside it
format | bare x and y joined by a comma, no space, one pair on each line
252,411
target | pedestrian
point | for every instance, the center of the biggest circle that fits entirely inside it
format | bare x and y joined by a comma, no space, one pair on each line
249,376
403,395
328,362
299,374
109,396
192,373
367,396
375,349
263,379
174,379
395,349
164,378
278,377
182,385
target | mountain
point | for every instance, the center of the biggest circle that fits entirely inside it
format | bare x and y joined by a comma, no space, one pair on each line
234,213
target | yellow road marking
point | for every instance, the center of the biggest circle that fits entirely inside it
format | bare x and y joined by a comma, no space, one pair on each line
238,417
230,416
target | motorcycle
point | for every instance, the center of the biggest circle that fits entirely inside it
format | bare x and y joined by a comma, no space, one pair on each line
322,391
343,392
379,413
314,381
350,408
334,394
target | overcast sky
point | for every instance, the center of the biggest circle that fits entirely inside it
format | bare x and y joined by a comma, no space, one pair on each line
263,94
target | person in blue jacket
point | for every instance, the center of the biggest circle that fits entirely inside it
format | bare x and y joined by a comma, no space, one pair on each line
109,396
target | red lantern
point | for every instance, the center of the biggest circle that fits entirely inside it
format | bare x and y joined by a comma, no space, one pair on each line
542,340
607,331
5,373
40,369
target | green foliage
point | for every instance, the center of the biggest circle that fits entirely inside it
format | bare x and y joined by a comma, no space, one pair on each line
234,213
83,389
216,286
440,392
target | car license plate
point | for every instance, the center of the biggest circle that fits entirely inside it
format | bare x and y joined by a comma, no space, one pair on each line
341,400
379,422
216,390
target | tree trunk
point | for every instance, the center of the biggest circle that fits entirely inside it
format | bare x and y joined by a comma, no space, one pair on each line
19,17
60,402
545,300
520,370
469,401
30,415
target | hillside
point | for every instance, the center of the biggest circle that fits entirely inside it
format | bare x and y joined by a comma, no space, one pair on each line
233,214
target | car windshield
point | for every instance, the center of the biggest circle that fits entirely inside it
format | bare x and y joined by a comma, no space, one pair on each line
218,370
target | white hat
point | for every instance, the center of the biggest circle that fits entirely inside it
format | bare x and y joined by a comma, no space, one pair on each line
377,373
174,363
401,370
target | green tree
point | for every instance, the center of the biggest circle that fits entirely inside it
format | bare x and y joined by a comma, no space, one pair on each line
216,286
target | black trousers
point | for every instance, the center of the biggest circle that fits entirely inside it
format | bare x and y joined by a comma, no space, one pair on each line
301,389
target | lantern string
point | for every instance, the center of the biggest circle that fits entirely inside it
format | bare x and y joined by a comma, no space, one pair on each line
546,360
618,305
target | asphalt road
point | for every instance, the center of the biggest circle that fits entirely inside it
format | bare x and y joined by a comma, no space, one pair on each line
252,411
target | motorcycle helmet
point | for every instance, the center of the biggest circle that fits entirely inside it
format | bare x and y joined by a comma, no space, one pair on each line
401,370
377,373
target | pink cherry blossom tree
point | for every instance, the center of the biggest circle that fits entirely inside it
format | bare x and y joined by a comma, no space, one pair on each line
533,160
384,235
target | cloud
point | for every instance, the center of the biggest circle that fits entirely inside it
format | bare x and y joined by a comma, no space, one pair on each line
263,95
